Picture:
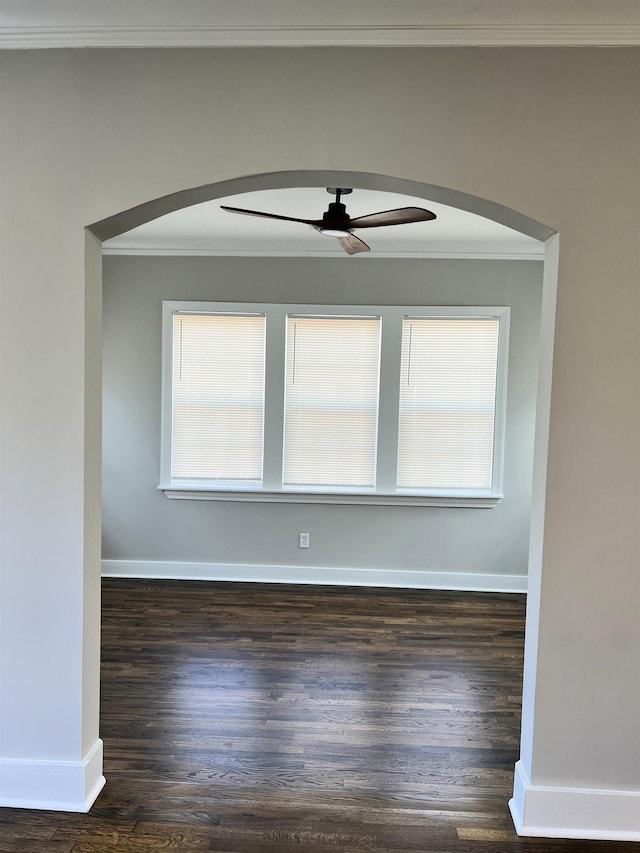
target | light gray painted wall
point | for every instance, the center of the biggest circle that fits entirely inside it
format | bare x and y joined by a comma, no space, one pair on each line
140,523
552,133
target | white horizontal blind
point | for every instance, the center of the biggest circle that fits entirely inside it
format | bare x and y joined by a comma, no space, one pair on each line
331,401
217,397
447,403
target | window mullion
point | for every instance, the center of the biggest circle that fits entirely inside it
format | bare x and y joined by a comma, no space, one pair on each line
274,400
504,318
391,346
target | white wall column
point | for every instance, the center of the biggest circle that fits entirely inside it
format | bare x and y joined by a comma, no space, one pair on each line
577,776
50,752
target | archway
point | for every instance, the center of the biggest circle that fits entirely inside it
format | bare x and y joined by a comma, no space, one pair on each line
126,220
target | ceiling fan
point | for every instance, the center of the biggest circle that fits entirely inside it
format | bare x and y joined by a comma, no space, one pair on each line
336,222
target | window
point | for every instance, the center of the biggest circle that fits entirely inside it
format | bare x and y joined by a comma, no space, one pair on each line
217,393
447,402
335,404
331,402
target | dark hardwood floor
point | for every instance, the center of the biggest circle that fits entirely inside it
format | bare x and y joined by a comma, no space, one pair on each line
272,719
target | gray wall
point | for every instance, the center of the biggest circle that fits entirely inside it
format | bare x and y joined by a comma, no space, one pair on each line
551,133
140,523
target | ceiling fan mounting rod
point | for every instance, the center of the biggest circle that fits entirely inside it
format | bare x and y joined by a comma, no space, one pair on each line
338,191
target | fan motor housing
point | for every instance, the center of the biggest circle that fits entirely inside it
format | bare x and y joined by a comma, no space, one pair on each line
337,212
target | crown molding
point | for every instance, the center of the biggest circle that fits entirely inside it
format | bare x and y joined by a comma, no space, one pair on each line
488,253
340,35
308,23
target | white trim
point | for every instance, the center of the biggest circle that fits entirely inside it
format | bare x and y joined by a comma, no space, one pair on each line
588,813
206,250
113,227
68,786
340,34
314,575
538,493
189,493
271,489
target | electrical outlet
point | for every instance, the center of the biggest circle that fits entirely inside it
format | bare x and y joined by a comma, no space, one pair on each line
303,541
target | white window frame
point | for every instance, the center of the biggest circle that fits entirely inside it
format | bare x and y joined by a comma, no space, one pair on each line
385,492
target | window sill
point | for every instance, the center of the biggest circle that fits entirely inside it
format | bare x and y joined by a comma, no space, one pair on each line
189,493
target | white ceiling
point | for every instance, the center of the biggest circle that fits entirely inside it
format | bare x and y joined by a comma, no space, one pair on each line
231,23
205,229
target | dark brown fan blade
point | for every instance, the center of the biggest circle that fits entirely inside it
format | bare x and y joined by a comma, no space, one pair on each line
270,215
352,244
400,216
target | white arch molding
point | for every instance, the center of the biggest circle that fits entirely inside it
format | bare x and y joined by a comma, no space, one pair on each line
118,223
112,226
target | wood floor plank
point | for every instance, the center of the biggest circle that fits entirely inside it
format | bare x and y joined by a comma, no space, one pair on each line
470,833
22,845
16,830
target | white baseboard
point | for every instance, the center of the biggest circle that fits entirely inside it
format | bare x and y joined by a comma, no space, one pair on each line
314,575
587,813
67,786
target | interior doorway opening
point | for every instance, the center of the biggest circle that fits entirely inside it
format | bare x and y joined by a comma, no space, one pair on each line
108,228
